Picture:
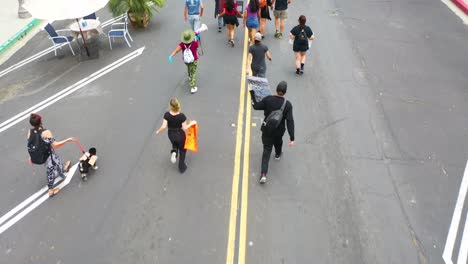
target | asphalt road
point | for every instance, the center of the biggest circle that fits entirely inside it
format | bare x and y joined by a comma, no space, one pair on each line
381,147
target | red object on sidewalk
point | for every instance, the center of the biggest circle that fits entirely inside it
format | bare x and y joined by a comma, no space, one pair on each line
462,5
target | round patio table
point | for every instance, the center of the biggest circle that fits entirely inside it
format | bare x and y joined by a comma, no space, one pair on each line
92,27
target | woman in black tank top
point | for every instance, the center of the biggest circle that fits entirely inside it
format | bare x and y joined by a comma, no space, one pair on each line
176,123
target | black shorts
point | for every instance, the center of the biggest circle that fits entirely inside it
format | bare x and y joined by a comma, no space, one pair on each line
231,20
265,13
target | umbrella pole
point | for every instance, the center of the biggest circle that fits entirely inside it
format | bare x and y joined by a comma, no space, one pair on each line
82,36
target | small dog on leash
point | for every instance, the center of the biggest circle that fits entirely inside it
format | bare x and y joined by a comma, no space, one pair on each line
87,161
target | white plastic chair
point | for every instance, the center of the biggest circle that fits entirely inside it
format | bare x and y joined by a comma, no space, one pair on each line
120,32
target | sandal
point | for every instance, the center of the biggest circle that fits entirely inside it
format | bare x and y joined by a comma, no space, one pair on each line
66,168
53,191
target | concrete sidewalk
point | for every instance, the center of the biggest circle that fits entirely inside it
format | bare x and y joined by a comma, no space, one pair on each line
9,20
14,31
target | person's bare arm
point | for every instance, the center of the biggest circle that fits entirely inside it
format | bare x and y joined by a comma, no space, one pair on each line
186,125
57,144
268,55
177,50
244,21
163,126
202,7
222,13
249,62
291,36
185,13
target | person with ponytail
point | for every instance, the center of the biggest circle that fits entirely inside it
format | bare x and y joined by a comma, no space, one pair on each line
177,124
301,36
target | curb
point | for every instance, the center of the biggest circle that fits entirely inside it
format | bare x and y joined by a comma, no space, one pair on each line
18,36
462,5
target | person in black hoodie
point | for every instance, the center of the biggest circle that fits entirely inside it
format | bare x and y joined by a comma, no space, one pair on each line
274,136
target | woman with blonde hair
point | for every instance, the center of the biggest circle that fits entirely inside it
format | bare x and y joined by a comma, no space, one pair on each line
176,122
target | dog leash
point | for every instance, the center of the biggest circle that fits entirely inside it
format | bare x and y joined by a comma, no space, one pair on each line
80,147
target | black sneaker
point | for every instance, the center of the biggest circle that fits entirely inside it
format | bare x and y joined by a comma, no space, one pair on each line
301,72
277,156
276,34
262,178
219,29
298,71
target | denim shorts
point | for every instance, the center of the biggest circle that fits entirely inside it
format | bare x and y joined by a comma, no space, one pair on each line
252,22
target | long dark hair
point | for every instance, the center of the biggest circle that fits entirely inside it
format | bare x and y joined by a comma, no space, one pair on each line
254,6
229,5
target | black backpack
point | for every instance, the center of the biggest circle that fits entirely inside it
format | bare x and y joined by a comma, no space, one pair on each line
38,149
302,38
273,120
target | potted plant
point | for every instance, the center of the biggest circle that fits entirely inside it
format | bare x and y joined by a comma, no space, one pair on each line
139,11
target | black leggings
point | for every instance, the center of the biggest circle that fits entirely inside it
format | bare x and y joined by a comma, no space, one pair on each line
177,138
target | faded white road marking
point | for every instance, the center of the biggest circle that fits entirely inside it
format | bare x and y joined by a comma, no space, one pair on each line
34,205
453,230
69,90
463,254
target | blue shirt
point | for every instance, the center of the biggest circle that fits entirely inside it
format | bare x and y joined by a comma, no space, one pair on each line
193,6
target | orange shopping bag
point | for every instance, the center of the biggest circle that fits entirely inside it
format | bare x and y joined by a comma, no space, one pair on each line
191,138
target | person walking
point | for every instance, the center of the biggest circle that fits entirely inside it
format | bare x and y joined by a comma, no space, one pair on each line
271,135
229,14
256,57
219,9
189,47
193,11
176,123
264,14
281,14
301,34
41,142
252,18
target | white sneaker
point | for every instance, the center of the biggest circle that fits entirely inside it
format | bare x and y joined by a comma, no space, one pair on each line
262,178
193,89
173,157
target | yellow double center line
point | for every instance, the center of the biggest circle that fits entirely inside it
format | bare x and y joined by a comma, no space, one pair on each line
244,108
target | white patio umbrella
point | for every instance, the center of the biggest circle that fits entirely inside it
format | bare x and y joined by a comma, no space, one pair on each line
63,9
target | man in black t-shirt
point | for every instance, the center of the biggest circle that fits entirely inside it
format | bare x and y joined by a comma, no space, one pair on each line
274,137
256,59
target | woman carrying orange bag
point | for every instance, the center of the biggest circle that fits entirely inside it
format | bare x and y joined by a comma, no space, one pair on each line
176,122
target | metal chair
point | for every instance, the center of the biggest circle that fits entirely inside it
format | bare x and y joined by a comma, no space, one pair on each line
57,39
121,32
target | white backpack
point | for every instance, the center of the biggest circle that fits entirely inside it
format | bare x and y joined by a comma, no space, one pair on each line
188,55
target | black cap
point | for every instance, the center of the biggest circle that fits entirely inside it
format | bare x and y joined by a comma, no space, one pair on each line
282,87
